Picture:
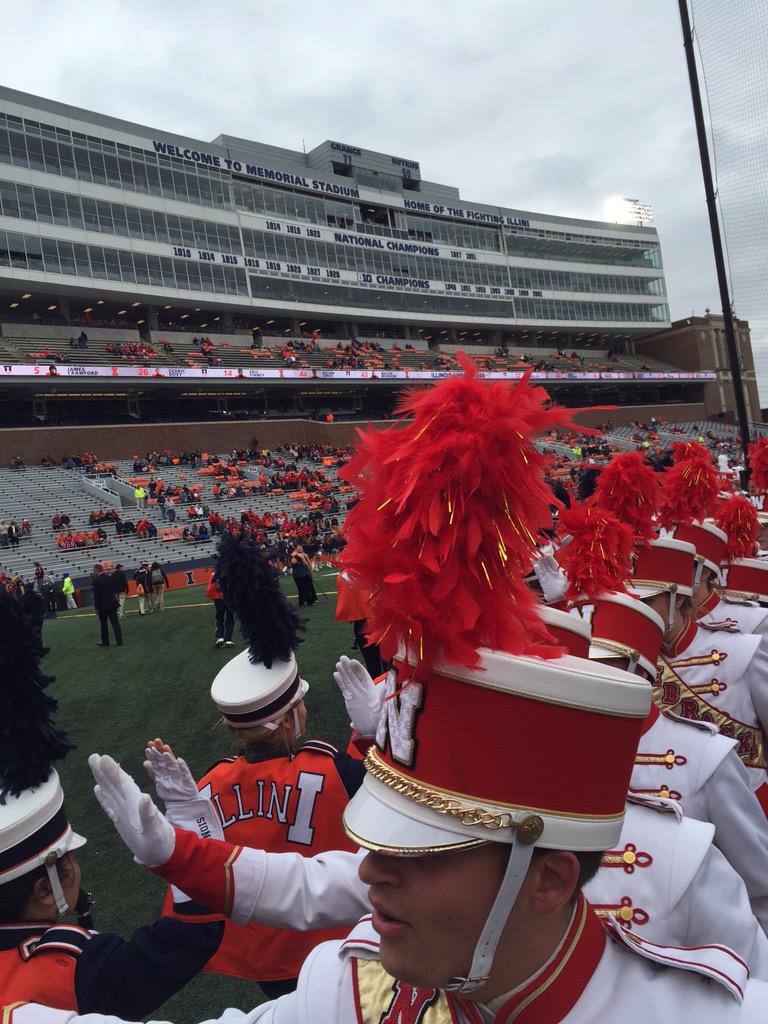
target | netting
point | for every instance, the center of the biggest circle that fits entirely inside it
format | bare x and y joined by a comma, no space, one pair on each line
732,40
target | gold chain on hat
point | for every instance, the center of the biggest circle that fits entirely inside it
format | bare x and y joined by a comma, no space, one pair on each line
528,830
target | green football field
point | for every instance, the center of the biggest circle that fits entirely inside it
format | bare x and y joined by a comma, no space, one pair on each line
113,700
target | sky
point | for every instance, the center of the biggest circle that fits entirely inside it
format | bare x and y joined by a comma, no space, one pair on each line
541,105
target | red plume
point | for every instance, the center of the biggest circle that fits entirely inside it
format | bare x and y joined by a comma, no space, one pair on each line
452,504
690,487
597,559
737,516
630,489
758,464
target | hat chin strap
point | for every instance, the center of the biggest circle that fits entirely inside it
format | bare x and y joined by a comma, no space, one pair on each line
672,608
482,960
699,570
55,882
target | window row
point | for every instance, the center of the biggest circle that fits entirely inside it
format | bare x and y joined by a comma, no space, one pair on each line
73,211
153,175
451,232
590,312
325,293
603,284
293,205
26,252
581,251
264,244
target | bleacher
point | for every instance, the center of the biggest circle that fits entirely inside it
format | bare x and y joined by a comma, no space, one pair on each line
40,493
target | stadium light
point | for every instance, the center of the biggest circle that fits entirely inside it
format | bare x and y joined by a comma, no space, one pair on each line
122,312
14,305
620,210
51,309
27,295
134,304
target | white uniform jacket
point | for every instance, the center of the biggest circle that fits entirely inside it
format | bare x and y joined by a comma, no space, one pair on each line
688,761
595,976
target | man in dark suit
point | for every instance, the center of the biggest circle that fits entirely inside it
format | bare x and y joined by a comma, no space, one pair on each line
106,603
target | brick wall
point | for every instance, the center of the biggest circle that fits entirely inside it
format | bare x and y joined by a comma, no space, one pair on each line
123,441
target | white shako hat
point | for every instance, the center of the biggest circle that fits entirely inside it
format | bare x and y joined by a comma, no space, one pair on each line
259,685
34,829
664,566
458,758
250,694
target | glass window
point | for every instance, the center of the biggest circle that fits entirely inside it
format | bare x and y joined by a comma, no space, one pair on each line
5,254
18,149
90,214
67,258
98,265
26,202
9,200
51,256
35,151
17,251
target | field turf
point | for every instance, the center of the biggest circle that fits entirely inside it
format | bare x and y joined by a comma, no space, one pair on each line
113,700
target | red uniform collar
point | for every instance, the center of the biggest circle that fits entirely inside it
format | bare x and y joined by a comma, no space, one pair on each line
708,605
553,991
682,641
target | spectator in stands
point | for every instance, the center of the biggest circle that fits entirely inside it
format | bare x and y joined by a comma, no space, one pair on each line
202,532
39,575
143,580
121,588
26,527
161,503
3,534
68,590
82,339
140,495
106,604
13,534
170,511
159,584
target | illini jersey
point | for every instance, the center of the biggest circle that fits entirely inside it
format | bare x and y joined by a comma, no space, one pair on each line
284,805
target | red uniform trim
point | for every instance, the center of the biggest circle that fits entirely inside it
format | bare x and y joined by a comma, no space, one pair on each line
708,605
682,641
551,995
524,774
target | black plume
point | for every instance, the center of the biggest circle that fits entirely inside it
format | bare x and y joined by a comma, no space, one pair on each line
252,591
587,483
29,740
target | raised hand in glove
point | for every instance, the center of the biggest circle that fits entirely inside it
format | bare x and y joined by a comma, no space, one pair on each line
362,698
552,579
185,806
147,834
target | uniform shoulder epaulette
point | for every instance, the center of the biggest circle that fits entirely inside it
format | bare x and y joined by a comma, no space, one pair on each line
719,963
660,804
319,747
722,626
709,727
62,938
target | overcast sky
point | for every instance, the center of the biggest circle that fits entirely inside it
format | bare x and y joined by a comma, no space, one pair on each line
540,105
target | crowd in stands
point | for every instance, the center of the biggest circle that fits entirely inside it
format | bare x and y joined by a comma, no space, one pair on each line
11,532
131,350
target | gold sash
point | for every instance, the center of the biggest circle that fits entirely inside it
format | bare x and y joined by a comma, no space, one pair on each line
671,693
383,1000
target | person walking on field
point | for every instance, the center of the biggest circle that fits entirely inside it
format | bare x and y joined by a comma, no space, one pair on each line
121,588
143,580
225,620
106,604
68,590
301,570
159,583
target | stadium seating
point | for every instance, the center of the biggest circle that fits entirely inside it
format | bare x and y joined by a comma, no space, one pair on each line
40,493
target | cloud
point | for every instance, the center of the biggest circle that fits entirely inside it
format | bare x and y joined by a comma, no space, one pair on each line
547,107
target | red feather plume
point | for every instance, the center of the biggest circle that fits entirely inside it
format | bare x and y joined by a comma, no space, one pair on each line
452,504
597,559
690,487
630,489
758,464
737,516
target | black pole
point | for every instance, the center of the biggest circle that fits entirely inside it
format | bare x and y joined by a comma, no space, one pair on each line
714,225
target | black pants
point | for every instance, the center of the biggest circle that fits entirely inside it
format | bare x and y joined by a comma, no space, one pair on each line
370,652
110,616
306,590
50,601
225,621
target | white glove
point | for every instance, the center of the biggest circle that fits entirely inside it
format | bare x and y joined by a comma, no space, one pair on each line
362,698
141,826
552,579
185,806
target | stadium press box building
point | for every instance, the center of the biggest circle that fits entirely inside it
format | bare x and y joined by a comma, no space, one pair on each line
94,207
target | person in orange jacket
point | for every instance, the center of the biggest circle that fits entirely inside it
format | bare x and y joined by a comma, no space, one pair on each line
225,620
